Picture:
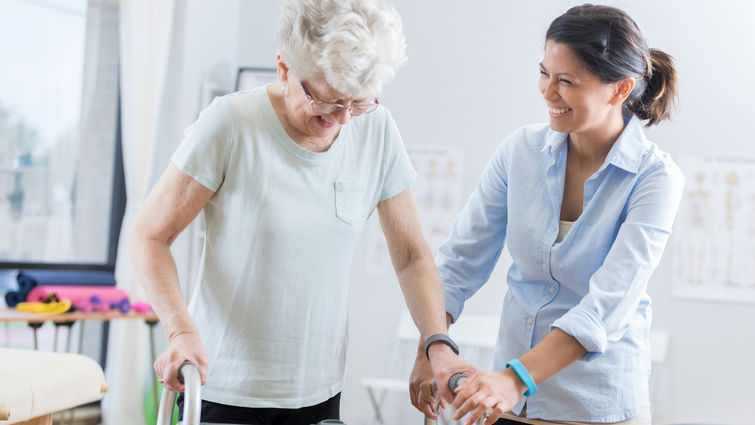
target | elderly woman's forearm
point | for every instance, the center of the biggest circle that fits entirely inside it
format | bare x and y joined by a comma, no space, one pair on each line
157,274
424,295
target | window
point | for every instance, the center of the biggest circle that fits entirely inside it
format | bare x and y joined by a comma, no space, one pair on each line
61,185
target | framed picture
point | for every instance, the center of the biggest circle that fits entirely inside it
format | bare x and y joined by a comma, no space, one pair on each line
249,78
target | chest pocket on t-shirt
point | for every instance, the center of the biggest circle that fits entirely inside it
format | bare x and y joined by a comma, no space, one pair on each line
349,200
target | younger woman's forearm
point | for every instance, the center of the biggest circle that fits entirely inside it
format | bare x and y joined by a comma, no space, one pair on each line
556,351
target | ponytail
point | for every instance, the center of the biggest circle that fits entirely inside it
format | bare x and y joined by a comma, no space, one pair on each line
610,45
659,98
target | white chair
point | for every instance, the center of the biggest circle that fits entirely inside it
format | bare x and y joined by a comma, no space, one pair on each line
377,388
475,335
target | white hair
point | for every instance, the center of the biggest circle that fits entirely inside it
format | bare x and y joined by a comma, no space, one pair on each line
356,45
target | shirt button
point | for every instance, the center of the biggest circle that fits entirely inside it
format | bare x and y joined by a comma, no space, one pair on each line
545,266
552,289
529,320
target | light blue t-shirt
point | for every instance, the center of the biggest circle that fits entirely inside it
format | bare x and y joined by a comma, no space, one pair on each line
592,285
281,229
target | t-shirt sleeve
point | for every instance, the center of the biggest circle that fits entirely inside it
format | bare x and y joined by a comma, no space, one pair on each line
205,150
398,172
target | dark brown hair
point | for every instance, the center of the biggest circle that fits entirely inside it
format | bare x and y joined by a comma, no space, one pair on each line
610,45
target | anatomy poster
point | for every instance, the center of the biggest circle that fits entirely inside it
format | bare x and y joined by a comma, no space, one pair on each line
714,234
438,195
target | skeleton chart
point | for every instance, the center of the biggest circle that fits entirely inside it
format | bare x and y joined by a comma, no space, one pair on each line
714,234
438,195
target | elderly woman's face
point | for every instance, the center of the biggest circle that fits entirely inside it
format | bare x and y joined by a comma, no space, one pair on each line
309,100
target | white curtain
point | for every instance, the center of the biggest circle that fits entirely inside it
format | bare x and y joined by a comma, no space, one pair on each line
146,31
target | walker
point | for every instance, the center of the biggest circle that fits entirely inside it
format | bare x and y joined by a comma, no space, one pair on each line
453,383
188,373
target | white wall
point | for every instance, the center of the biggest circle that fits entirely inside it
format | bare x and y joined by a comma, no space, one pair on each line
469,81
203,49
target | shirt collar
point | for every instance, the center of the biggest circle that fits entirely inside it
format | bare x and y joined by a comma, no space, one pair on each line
626,153
554,142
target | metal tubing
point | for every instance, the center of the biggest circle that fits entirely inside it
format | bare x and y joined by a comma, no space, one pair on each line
453,383
165,412
189,374
192,393
152,357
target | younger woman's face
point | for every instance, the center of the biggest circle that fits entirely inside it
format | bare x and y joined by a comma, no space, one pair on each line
578,102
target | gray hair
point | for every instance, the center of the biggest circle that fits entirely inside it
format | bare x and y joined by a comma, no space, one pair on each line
357,45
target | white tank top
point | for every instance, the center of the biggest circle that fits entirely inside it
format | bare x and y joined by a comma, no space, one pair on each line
563,229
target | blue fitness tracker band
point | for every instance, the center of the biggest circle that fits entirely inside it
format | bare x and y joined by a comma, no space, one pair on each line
523,375
445,339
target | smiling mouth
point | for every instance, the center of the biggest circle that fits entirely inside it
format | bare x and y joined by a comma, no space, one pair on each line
557,112
325,123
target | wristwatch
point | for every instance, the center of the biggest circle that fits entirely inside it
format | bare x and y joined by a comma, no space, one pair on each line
443,338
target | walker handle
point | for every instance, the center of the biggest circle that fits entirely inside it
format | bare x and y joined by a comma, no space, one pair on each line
188,373
453,383
455,380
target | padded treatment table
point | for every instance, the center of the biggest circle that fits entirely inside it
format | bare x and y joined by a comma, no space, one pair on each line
36,320
36,384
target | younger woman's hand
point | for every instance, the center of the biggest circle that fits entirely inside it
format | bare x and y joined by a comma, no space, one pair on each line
488,394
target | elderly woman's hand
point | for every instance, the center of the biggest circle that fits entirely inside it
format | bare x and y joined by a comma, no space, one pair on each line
420,386
183,347
445,363
488,394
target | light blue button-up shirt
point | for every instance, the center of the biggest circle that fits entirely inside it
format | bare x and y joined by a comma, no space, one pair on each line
592,285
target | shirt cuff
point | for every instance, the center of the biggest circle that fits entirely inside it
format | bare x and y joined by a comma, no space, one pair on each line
586,328
454,302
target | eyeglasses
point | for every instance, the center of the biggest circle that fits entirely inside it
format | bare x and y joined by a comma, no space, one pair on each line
326,108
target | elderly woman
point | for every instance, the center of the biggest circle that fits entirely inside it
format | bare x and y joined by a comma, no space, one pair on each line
286,175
